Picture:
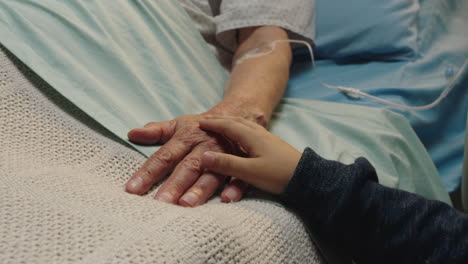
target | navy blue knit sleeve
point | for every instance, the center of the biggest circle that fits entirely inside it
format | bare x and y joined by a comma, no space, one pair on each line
374,223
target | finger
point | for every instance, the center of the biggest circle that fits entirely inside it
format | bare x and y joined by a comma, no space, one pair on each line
202,190
157,166
234,191
235,131
228,165
185,174
152,133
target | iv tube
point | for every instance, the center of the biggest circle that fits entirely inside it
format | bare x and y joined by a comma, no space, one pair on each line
350,91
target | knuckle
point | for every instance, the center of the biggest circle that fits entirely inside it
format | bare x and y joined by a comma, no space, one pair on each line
191,136
212,144
163,157
192,164
193,132
147,175
172,124
168,131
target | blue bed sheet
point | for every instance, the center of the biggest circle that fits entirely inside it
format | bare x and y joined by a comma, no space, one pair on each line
443,50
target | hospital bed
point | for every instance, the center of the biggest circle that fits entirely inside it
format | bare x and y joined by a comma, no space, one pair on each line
82,74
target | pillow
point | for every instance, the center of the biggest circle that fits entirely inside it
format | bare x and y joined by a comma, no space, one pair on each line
369,29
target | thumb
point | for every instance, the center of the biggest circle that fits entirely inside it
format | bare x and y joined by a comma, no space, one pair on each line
228,165
152,133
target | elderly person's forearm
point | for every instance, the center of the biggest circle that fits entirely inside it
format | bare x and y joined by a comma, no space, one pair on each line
256,85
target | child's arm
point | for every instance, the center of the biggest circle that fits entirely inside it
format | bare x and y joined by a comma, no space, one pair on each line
375,224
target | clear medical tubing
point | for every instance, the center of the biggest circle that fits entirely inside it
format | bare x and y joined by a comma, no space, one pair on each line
353,92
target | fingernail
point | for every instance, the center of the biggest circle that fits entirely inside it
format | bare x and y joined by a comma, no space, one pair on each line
164,197
231,195
209,158
135,184
190,198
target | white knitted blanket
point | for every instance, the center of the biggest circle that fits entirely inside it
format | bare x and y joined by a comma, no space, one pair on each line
62,198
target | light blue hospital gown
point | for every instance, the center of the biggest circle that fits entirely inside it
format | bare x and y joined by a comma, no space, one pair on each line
218,20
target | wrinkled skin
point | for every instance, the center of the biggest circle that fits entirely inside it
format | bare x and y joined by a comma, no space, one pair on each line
181,153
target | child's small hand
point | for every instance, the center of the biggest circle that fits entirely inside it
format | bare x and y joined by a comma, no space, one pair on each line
271,161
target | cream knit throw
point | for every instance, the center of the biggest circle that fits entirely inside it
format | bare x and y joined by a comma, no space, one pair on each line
62,198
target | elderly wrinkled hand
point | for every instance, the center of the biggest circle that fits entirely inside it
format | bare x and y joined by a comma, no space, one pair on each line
181,153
